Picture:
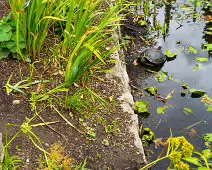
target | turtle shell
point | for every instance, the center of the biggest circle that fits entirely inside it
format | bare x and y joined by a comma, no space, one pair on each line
152,56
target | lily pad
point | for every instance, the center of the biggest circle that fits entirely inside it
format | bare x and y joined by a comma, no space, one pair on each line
170,56
141,107
151,90
161,110
187,111
185,86
148,136
208,137
183,94
197,93
161,76
202,59
192,49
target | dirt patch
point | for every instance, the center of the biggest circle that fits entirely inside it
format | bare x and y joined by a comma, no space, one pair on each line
119,153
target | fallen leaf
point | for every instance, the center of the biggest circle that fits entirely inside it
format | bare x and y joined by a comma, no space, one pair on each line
111,98
206,99
159,142
160,98
76,85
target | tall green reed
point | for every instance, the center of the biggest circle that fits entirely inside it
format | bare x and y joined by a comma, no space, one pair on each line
35,20
88,32
89,25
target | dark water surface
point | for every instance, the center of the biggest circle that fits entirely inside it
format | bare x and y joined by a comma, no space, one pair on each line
189,31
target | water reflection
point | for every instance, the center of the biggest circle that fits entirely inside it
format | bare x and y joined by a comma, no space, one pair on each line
188,30
208,17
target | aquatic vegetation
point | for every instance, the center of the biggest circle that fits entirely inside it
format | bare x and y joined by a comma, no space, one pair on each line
170,55
148,135
197,93
181,153
185,86
202,59
192,49
151,90
161,76
162,110
141,108
187,111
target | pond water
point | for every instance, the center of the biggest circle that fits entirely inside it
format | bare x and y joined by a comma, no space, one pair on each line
188,26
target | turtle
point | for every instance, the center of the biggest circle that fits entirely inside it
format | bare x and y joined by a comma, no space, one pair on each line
151,57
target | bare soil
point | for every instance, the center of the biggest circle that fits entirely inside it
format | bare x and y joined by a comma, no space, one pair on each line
120,153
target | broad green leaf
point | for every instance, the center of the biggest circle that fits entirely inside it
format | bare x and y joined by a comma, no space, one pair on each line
202,59
4,53
192,49
5,36
196,93
5,28
170,55
141,107
151,90
208,137
11,45
187,111
161,76
161,110
207,153
194,161
202,168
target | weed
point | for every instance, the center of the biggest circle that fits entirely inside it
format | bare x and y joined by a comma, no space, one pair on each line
10,162
181,153
57,159
8,39
112,129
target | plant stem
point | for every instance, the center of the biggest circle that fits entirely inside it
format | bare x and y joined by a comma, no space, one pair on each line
156,161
